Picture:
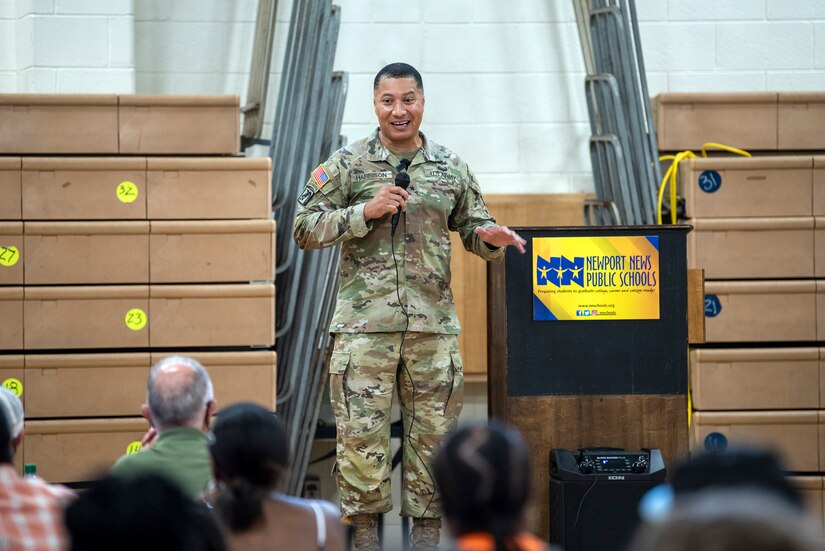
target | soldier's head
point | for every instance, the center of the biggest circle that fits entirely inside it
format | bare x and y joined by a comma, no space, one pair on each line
398,99
483,474
179,394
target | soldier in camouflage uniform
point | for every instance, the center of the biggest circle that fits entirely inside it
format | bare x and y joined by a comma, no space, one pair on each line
395,324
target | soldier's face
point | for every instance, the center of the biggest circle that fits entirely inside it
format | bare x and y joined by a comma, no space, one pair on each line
399,106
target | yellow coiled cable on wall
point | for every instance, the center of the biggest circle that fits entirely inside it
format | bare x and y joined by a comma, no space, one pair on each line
670,175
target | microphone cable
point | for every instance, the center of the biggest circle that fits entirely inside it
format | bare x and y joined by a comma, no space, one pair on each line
402,169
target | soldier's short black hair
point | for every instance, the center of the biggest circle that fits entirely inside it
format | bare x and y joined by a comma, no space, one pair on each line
398,70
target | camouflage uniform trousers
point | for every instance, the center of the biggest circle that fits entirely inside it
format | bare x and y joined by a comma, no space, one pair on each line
365,371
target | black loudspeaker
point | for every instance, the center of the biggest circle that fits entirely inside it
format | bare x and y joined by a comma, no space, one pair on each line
595,493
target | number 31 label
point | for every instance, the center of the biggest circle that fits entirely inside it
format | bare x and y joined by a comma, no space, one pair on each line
136,319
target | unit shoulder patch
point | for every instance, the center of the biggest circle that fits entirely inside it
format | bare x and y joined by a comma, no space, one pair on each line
306,195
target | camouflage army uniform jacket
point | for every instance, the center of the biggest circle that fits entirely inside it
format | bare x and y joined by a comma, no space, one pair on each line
444,196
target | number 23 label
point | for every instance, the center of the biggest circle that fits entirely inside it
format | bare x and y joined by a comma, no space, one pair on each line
136,319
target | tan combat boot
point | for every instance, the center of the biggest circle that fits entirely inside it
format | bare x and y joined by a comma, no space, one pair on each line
365,532
425,534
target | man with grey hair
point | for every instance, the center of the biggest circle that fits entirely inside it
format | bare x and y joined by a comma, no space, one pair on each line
180,402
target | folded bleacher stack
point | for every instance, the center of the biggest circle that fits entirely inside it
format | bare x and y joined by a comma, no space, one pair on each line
759,235
130,229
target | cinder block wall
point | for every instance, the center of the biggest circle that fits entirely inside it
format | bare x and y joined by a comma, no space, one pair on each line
67,46
503,79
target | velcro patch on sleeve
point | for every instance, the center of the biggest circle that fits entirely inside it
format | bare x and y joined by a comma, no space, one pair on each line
320,176
306,195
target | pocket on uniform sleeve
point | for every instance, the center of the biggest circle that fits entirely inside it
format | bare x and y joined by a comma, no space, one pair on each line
458,364
338,366
455,400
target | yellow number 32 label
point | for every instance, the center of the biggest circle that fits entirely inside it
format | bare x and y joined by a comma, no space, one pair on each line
127,192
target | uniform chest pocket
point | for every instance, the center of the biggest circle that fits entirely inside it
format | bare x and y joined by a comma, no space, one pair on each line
367,184
437,187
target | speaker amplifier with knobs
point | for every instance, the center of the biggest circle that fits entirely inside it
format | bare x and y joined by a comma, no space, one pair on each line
615,463
594,495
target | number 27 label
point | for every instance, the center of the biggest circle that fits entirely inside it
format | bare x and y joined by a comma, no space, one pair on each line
9,256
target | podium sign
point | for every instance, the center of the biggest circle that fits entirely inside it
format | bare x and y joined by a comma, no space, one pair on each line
596,278
588,341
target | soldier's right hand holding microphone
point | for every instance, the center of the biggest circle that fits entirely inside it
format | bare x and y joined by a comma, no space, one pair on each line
387,201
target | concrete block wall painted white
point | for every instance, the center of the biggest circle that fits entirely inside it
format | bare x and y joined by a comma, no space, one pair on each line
503,80
67,46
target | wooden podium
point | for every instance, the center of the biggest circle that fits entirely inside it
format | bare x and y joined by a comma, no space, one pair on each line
594,382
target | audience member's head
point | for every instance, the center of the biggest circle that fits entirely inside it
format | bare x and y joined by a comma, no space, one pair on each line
179,394
5,439
250,456
731,519
734,468
145,512
483,474
13,409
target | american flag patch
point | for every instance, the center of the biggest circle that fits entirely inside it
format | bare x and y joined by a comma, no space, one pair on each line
320,176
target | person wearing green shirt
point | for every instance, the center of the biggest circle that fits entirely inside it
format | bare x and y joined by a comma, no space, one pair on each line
180,402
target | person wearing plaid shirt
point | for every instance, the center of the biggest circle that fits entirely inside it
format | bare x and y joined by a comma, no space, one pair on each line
31,510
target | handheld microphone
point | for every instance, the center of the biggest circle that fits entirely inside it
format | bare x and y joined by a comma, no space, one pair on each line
402,180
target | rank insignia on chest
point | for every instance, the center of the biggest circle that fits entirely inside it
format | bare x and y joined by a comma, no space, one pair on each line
320,176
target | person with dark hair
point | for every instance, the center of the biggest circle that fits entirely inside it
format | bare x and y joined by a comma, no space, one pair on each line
250,456
180,403
140,513
483,474
395,323
31,511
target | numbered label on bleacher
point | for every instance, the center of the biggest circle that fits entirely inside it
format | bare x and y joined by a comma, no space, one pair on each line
14,385
712,306
710,181
136,319
127,192
9,256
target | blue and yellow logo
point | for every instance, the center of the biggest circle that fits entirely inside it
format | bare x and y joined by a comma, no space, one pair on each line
560,271
596,277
